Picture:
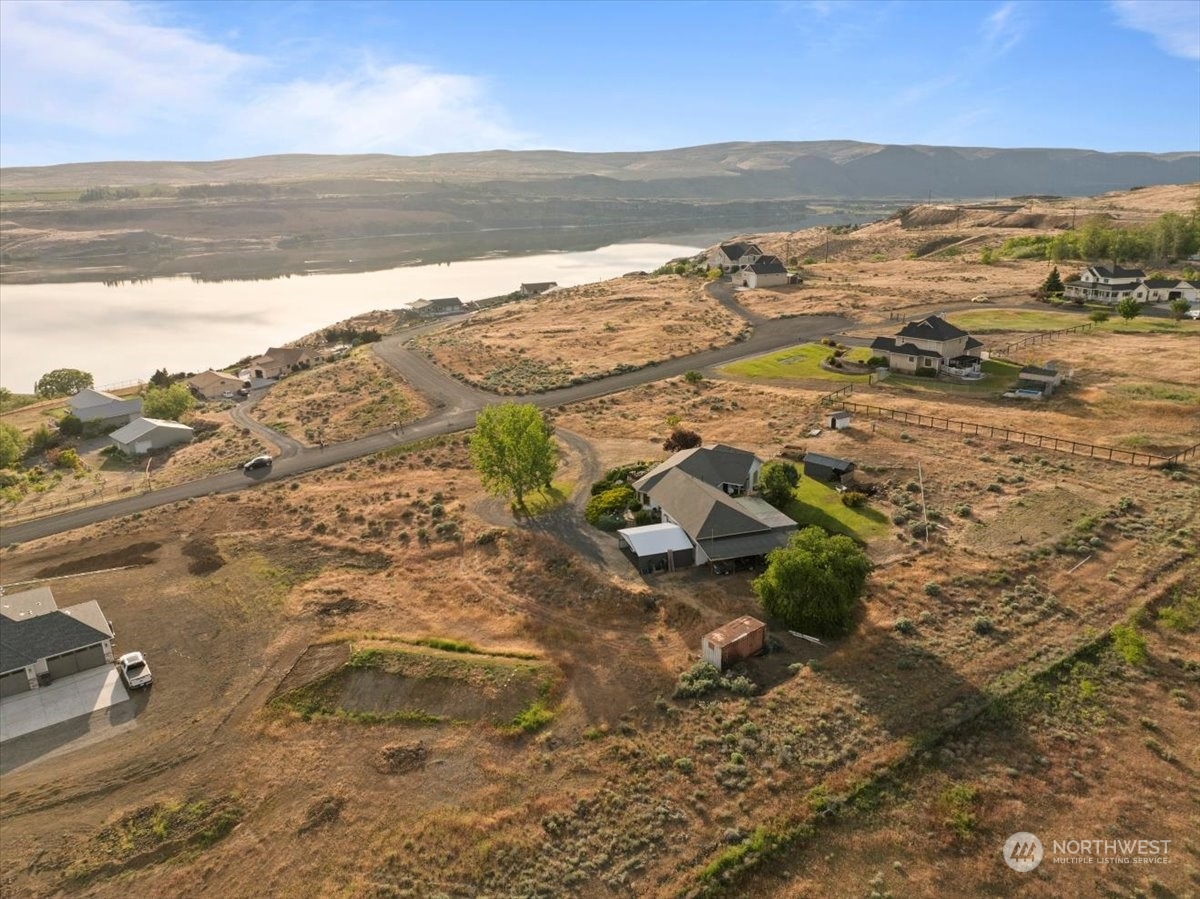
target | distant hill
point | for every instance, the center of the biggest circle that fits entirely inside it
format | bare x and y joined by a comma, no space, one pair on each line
742,170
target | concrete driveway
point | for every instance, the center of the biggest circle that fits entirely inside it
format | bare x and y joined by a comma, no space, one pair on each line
71,697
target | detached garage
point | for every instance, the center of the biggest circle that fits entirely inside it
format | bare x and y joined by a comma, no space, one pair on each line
145,434
657,547
40,643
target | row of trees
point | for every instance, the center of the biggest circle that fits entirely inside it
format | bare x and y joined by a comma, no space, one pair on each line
1170,236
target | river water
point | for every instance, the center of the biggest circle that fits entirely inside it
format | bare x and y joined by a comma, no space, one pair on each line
125,332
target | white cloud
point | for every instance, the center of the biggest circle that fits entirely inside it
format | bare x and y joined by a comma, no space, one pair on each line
1174,24
1004,28
404,108
116,78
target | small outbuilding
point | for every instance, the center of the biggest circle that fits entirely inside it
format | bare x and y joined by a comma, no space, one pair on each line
827,469
534,288
104,409
730,643
838,421
145,434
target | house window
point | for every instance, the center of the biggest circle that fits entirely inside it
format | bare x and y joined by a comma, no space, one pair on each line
912,358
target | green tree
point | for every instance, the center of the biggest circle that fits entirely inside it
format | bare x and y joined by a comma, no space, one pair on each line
513,450
1053,284
70,426
1179,308
12,445
160,378
167,402
812,583
1098,316
776,482
681,439
1129,309
62,382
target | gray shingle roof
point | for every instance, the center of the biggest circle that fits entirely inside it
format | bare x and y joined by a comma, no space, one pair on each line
24,642
932,328
714,464
889,345
768,265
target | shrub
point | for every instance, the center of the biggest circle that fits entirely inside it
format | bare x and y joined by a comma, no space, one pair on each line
69,459
854,499
982,625
1129,643
681,439
903,626
611,503
70,426
693,377
933,589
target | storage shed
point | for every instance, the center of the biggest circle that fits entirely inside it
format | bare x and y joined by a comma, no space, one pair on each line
826,469
732,642
838,421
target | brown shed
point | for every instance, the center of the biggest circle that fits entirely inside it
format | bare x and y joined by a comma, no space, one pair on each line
732,642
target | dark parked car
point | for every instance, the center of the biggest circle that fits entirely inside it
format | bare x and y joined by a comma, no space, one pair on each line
263,461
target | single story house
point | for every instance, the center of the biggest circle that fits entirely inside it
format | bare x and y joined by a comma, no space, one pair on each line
727,468
277,362
837,421
719,522
827,469
1099,283
1033,377
732,642
733,255
145,434
766,271
40,642
103,408
440,306
931,345
537,287
1167,290
211,384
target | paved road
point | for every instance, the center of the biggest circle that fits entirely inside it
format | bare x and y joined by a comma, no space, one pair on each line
455,405
288,446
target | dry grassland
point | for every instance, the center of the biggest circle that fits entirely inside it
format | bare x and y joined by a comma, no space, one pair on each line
582,333
340,400
624,790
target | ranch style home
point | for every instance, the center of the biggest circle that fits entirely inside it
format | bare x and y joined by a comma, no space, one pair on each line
930,345
708,512
211,384
40,642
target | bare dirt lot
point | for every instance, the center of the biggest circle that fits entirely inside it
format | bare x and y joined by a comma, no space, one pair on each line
552,340
340,400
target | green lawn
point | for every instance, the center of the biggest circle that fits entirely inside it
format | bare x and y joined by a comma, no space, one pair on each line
983,320
819,504
540,502
803,361
1001,376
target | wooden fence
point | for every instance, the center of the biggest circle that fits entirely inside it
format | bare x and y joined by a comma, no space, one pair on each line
1039,337
1043,441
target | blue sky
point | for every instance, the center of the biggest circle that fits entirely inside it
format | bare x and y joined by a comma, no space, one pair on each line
83,81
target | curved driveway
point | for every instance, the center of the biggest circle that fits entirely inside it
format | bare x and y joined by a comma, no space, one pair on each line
455,405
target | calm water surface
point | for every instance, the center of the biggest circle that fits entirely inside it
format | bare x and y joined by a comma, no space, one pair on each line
126,332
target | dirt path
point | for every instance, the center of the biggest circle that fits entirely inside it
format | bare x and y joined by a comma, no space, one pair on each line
288,446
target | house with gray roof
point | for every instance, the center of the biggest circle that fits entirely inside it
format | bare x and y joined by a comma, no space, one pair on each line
39,642
766,271
104,409
733,255
145,434
704,498
929,345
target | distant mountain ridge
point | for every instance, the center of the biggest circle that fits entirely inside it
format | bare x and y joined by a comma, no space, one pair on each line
727,171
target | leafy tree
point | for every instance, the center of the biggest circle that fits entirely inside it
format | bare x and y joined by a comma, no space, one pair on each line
167,402
160,378
62,382
1098,316
70,426
1053,283
811,584
1179,308
12,445
681,439
513,450
1129,309
776,482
